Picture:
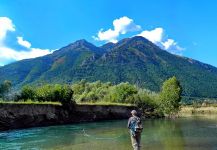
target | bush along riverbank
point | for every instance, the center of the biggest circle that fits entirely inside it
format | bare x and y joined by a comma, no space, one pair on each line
100,95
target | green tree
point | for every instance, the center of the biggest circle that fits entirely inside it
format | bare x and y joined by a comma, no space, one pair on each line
48,92
45,93
170,96
5,88
27,92
145,100
66,95
79,87
123,93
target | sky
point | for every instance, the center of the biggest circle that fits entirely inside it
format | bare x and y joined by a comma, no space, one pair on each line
35,28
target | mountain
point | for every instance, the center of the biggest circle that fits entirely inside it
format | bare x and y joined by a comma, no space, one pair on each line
135,60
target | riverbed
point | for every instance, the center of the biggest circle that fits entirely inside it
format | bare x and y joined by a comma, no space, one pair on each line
186,133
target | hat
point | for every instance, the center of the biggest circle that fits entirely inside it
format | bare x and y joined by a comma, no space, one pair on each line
133,112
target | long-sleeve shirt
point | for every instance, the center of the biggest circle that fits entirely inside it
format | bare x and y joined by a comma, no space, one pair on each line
131,121
131,124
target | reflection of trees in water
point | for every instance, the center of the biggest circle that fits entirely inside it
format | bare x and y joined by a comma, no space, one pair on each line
158,134
164,134
172,136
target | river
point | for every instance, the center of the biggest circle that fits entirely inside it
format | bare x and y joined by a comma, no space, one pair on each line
186,133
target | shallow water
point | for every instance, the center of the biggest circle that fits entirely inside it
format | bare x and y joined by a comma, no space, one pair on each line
190,133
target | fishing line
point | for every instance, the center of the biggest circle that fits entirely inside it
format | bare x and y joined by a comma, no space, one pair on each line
100,138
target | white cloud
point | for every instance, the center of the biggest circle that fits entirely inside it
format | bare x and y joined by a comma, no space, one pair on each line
109,36
8,54
154,36
122,25
157,36
11,54
172,46
23,42
5,25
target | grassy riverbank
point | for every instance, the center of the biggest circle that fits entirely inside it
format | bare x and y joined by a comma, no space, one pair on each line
190,110
58,103
107,104
31,102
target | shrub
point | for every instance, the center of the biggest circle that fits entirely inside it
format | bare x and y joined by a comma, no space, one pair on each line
48,92
123,93
27,93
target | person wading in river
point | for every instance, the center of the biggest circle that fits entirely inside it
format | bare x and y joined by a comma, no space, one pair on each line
135,126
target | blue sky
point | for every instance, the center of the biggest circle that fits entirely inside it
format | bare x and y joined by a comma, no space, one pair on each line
34,28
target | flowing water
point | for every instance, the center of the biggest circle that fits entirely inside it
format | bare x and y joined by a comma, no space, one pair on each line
190,133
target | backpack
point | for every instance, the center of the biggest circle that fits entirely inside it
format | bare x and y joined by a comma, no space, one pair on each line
137,125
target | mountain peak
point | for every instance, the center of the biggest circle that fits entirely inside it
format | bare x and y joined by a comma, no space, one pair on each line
134,40
80,43
139,38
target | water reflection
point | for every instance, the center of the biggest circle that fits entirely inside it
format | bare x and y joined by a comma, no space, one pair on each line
164,134
193,133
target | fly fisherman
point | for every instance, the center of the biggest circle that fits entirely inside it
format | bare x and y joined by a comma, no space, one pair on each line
135,126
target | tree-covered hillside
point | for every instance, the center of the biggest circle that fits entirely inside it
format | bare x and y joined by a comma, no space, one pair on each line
135,60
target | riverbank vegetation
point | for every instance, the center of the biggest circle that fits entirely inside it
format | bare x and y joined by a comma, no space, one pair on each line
170,97
166,102
5,88
202,110
30,102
